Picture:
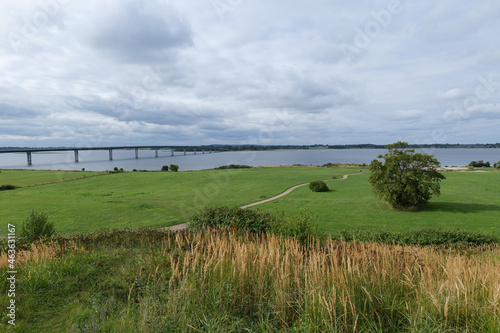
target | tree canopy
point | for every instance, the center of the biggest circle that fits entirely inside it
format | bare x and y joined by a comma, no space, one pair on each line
406,178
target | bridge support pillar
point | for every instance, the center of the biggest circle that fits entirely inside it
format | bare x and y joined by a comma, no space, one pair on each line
172,152
136,152
28,153
194,150
184,151
156,152
111,154
76,155
203,151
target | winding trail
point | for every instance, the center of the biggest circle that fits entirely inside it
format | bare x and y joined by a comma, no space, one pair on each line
184,225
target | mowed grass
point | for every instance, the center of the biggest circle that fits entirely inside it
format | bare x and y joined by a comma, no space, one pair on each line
469,201
136,199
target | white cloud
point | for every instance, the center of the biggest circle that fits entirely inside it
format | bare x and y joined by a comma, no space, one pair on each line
452,94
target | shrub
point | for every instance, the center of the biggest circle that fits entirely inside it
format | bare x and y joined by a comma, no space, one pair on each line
164,168
174,167
496,165
300,227
7,187
318,186
479,164
234,218
116,170
36,226
234,166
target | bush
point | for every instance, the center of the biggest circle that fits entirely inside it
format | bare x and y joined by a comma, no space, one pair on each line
234,218
164,168
479,164
318,186
174,167
36,226
300,227
406,179
7,187
496,165
234,166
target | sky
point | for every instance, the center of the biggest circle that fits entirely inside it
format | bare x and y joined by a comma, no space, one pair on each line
154,72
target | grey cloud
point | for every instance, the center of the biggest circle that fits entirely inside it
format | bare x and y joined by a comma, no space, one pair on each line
140,32
150,71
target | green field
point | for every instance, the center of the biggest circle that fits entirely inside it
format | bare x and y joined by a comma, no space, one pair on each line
469,200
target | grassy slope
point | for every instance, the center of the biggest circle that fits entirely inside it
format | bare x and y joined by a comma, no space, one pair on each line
154,281
469,201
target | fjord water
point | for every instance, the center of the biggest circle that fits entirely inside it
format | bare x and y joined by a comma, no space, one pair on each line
98,160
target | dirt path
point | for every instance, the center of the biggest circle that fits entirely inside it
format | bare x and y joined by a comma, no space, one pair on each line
184,225
62,180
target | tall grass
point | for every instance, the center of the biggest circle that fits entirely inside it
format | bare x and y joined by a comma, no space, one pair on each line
222,281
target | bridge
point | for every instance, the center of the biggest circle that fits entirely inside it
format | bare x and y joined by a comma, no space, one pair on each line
172,149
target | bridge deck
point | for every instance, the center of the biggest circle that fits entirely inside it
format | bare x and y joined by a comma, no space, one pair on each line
34,150
29,151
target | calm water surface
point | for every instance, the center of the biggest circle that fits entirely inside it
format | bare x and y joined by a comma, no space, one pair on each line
99,160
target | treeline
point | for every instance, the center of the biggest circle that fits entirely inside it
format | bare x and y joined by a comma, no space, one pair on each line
421,146
356,146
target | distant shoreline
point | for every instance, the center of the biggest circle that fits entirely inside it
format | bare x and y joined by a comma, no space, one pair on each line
318,147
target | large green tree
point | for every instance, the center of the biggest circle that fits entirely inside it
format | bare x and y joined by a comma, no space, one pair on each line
406,178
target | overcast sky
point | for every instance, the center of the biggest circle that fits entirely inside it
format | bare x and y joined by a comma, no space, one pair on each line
93,73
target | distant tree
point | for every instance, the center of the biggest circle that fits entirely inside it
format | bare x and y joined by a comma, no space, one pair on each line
405,179
174,167
479,164
164,168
